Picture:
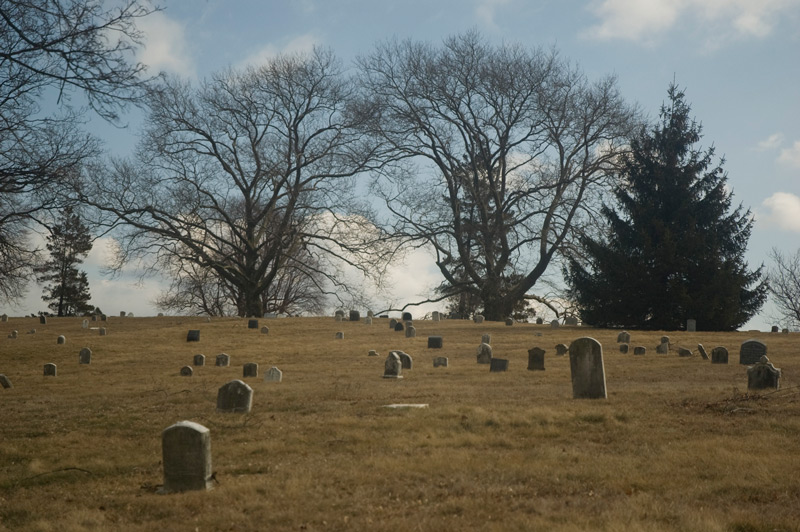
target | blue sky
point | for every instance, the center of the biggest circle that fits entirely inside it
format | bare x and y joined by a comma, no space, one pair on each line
738,60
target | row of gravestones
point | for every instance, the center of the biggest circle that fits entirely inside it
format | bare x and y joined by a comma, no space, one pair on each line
750,351
249,370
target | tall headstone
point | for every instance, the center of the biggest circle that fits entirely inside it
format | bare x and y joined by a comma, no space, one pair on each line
775,328
484,354
392,323
122,314
186,455
561,350
5,382
193,335
43,319
719,355
691,325
393,367
85,324
751,351
435,316
763,375
411,332
61,340
273,375
199,360
624,337
435,342
187,371
236,397
222,360
50,370
440,362
587,369
368,320
355,315
498,364
250,370
85,356
663,347
536,359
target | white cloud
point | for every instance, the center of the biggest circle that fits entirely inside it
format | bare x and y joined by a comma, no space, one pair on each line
770,143
301,44
485,11
166,48
783,211
791,156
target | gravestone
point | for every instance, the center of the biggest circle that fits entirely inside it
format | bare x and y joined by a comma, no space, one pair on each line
393,367
478,318
222,360
763,375
623,348
370,314
509,322
435,316
539,321
498,364
355,315
338,318
50,370
32,331
435,342
702,351
94,317
691,325
339,314
405,359
409,323
662,348
252,324
372,353
264,330
561,350
407,316
199,360
440,362
61,340
398,326
14,334
122,314
719,355
5,382
160,315
85,324
4,318
130,314
43,319
785,331
572,320
273,375
751,351
85,356
340,335
639,350
193,335
102,331
186,455
484,354
664,339
236,397
411,332
368,320
624,337
392,323
103,317
683,352
536,359
486,338
587,369
250,370
775,328
187,371
554,324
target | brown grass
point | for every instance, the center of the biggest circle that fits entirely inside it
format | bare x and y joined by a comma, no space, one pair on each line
678,445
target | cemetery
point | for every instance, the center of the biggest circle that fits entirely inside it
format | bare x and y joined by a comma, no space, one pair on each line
466,425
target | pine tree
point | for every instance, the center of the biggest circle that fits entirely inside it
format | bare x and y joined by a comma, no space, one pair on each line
674,248
68,290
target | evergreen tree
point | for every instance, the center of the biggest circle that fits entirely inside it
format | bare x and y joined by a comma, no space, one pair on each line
674,248
68,289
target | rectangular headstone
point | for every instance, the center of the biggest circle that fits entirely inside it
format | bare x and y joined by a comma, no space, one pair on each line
751,352
691,325
252,324
587,369
498,365
193,335
536,359
435,342
186,455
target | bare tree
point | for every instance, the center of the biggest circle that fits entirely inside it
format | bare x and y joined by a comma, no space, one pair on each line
235,174
500,154
783,279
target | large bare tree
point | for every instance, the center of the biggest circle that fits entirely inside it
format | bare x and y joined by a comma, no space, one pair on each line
783,279
499,153
247,174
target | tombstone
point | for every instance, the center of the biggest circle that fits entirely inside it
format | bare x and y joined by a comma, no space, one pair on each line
14,334
43,319
691,325
536,359
751,352
186,455
624,337
662,348
32,331
5,382
130,314
398,326
586,367
405,359
236,397
683,352
355,315
561,350
270,315
264,330
393,367
484,354
409,323
435,317
368,320
103,317
498,364
372,353
407,316
478,318
4,318
85,324
222,360
392,323
775,328
50,370
160,315
85,356
440,362
252,324
370,314
339,314
665,339
509,322
122,314
187,371
702,351
639,350
763,375
539,321
623,348
340,335
250,370
199,360
411,332
61,340
273,374
434,342
102,331
193,335
554,324
486,338
338,318
94,317
719,355
785,331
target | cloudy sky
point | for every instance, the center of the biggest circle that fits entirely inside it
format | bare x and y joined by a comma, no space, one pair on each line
736,59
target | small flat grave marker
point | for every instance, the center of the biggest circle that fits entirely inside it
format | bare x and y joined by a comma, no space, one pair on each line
5,382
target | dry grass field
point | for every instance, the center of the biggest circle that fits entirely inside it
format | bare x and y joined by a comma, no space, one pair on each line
678,445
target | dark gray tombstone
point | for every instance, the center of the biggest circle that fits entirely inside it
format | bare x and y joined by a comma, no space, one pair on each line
623,348
122,314
355,315
751,352
498,364
186,455
85,356
409,323
398,326
561,350
4,318
683,352
763,375
554,324
509,322
392,323
703,352
785,331
405,359
691,325
250,370
235,397
199,360
50,370
571,320
539,321
94,317
43,319
624,337
440,362
407,316
719,355
187,371
103,317
775,328
273,375
222,360
102,331
484,353
5,382
252,324
639,350
193,335
340,335
664,339
393,367
587,369
61,340
411,332
264,330
536,359
435,342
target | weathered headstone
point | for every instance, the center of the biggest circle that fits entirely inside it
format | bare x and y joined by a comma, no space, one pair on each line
103,317
250,370
763,375
411,332
554,324
624,337
340,335
484,354
61,340
561,350
775,328
339,314
691,325
193,335
683,352
43,319
273,375
719,355
664,339
338,318
435,316
130,314
252,324
639,350
587,369
478,318
4,318
751,351
355,315
370,314
703,352
14,334
122,314
85,324
571,320
785,331
264,330
407,316
398,326
372,353
393,367
486,338
85,356
440,362
94,317
623,348
160,315
187,371
435,342
662,348
186,455
236,397
539,321
498,364
368,320
5,382
405,359
199,360
509,322
50,370
222,360
102,331
536,359
392,323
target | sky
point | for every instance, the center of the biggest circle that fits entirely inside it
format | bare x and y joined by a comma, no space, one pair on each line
738,61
